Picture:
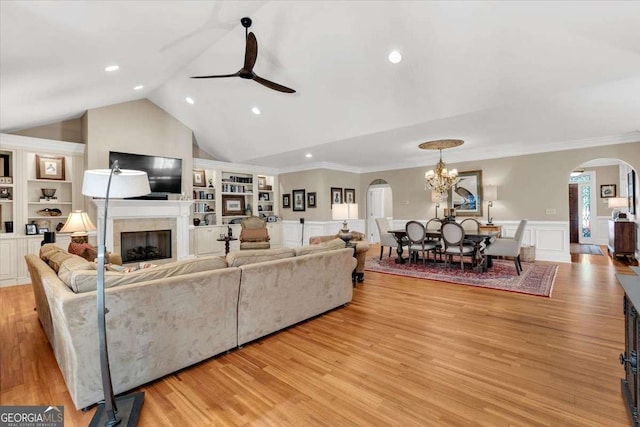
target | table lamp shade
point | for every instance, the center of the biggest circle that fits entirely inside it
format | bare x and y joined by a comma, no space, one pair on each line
78,223
491,193
617,202
126,183
344,211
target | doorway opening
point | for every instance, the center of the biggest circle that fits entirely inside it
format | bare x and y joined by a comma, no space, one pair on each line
379,205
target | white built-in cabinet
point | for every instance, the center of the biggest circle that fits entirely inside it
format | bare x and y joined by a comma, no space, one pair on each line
23,203
223,195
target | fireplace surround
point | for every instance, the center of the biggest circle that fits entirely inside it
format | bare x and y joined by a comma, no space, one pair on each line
147,215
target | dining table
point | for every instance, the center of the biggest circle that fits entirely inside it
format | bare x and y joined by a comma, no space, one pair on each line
476,237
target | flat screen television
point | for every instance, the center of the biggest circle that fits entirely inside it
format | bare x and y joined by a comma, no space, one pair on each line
165,173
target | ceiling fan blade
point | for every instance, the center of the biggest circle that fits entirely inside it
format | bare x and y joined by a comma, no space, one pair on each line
216,76
272,85
251,52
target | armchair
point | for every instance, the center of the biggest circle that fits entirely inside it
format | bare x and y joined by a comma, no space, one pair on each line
254,234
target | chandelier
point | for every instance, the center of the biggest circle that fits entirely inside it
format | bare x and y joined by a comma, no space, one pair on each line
442,179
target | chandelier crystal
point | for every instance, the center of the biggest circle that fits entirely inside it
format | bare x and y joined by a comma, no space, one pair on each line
441,179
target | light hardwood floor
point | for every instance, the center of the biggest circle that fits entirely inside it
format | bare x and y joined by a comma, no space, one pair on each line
405,352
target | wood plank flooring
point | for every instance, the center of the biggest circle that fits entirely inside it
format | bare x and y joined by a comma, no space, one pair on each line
405,352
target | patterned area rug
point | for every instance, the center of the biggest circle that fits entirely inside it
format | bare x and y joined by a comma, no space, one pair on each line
536,279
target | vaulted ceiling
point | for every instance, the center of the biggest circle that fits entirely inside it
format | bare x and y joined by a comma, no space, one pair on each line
507,77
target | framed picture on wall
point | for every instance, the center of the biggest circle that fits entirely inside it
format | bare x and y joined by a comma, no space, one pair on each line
349,195
198,178
466,195
336,195
286,201
311,200
608,190
232,205
50,167
298,200
631,191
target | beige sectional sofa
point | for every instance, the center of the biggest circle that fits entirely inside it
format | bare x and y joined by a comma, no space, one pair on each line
168,317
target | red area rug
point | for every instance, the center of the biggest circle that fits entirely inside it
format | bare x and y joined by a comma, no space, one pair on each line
535,279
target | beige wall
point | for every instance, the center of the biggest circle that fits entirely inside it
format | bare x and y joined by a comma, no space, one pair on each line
320,181
527,185
138,127
605,175
68,130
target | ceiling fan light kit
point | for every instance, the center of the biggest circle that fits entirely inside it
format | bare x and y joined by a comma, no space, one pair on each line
250,56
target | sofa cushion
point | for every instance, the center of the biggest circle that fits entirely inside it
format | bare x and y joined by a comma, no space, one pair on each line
236,259
57,258
320,247
71,264
86,281
47,250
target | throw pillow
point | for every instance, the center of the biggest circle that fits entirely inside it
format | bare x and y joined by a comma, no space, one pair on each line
254,235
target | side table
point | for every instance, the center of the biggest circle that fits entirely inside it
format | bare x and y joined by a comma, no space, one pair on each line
491,228
354,276
226,241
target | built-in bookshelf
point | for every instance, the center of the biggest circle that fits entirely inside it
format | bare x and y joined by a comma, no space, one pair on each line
224,194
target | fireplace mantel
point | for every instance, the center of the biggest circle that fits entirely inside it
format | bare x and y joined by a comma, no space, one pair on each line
119,209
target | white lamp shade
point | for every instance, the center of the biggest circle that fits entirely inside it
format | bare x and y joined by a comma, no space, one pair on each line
78,223
491,193
344,211
617,202
126,183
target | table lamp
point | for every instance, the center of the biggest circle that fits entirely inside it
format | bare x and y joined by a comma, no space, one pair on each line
78,224
490,195
344,212
616,203
117,183
437,197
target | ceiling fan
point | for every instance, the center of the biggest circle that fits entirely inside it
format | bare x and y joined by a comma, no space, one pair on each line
250,55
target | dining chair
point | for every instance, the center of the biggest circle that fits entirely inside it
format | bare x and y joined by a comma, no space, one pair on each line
470,225
508,247
454,243
434,225
418,242
386,239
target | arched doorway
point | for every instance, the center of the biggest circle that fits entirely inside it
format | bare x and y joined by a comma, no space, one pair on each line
592,185
379,205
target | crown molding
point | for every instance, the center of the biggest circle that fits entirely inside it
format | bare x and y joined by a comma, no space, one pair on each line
40,144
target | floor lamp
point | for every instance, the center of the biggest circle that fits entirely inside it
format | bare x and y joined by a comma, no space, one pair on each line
117,183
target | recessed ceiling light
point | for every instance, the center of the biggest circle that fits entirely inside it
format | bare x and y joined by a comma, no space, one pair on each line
395,57
112,68
308,155
139,87
190,100
256,111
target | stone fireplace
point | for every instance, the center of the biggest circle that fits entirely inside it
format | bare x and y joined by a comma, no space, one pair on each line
134,216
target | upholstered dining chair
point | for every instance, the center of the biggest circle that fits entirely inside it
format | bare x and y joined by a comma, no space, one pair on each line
386,239
418,242
470,225
508,247
454,243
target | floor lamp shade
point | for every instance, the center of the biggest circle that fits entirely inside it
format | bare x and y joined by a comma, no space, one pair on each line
127,183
